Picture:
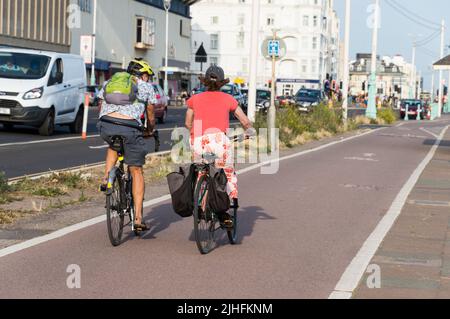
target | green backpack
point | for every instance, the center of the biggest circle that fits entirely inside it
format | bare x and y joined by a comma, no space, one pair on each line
121,89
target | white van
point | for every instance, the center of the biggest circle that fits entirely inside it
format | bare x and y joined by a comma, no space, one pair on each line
41,89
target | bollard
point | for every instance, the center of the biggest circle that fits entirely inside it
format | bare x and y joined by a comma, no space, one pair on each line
406,112
419,111
85,116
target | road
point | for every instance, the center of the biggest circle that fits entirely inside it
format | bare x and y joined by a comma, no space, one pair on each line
298,231
65,150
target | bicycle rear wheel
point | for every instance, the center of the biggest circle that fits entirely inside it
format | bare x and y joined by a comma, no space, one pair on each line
204,223
114,212
232,233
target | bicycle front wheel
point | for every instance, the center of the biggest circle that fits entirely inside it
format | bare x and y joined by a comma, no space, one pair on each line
114,212
204,223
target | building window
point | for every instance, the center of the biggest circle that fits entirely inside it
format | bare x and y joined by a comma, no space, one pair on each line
241,1
214,41
214,60
145,32
304,66
306,21
241,19
270,21
314,43
215,20
185,28
241,40
304,42
315,21
85,5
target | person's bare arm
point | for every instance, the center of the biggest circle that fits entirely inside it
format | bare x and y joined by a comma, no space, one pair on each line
240,115
189,119
151,122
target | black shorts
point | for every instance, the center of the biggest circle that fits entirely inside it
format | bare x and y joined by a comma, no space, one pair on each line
135,146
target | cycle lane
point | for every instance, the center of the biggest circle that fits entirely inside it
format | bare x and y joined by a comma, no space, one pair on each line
298,230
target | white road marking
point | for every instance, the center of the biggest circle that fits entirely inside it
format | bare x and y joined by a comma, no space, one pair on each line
405,135
431,133
360,159
65,231
99,147
64,139
355,271
47,141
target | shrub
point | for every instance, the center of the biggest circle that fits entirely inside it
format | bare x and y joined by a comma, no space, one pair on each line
388,116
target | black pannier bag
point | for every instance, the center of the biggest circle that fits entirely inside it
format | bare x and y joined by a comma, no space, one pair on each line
181,189
218,199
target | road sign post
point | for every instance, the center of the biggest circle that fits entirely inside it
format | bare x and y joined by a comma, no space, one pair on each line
273,49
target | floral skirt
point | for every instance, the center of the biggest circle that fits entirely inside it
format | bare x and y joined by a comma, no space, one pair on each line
220,145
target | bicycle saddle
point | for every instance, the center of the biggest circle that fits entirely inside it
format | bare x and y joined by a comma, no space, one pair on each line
117,144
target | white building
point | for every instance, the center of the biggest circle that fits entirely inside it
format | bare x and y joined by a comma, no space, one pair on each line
224,26
394,76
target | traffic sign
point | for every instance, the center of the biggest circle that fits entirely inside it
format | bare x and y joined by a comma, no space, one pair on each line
274,48
86,48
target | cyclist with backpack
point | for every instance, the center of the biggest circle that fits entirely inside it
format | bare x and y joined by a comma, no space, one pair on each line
208,119
123,100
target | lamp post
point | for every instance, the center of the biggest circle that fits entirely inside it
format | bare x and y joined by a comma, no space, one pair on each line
371,111
253,61
346,59
167,4
93,43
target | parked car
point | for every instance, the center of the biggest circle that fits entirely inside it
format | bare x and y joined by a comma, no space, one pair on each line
306,99
414,107
262,98
285,100
235,91
41,89
93,91
161,108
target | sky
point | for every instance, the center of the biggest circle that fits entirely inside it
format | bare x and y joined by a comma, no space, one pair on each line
397,32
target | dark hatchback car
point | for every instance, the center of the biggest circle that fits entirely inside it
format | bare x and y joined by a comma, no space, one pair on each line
414,107
306,99
262,98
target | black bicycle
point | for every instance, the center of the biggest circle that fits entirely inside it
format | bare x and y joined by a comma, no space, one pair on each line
206,221
119,196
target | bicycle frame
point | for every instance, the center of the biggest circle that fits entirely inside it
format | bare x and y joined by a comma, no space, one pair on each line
125,188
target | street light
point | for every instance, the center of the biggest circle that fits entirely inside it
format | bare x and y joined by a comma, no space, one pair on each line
93,80
167,4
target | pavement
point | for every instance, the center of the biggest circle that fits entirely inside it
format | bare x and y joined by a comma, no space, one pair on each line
414,258
299,230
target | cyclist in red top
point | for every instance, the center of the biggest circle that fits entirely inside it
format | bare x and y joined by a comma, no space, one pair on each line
208,120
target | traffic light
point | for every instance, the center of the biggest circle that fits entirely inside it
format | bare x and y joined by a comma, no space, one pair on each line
364,86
